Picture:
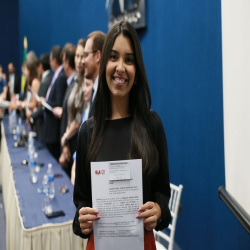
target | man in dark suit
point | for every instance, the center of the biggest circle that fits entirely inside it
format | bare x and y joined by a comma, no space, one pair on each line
68,55
54,97
37,116
91,59
13,81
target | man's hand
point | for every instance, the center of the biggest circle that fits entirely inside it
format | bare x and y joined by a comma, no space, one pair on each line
57,111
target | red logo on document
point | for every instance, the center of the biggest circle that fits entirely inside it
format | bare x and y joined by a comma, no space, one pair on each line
98,172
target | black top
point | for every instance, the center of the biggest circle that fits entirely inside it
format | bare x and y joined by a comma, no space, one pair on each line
115,146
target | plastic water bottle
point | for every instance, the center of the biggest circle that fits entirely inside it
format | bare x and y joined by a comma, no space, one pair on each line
32,166
30,141
30,145
47,208
12,121
19,130
37,166
51,181
14,118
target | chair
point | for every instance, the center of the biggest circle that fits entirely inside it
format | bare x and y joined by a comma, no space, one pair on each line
174,207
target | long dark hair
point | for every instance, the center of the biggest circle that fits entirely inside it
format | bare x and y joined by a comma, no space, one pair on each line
142,145
32,68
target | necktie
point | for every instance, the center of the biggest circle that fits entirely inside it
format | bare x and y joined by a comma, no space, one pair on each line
91,100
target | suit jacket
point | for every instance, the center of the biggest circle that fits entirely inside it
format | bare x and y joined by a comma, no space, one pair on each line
17,85
64,119
55,99
38,115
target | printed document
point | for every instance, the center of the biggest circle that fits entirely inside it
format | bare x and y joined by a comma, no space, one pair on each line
117,195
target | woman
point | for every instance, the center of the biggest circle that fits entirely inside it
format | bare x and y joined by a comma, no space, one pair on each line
122,118
33,82
75,107
87,91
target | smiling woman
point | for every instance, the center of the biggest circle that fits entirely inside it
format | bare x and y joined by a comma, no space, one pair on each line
123,127
120,69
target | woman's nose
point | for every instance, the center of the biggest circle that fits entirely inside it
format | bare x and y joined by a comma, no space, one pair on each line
120,66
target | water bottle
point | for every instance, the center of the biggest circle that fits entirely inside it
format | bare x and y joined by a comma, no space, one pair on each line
51,181
14,118
12,121
30,145
47,208
37,166
30,141
19,131
32,166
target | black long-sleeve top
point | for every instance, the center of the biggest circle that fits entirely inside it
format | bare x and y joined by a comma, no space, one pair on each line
115,146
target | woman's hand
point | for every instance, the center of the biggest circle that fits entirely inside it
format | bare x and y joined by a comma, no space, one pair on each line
86,217
151,213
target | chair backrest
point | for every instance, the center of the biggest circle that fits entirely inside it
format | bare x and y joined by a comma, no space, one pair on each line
173,204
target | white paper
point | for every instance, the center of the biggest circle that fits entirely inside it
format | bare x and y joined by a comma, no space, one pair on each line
119,171
117,202
47,106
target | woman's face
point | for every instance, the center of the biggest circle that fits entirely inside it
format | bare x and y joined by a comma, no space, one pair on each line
27,72
120,68
87,89
78,60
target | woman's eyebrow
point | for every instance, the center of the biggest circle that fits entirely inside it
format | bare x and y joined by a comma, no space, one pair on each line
129,54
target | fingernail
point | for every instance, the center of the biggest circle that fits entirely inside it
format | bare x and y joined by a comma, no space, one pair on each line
137,216
139,210
99,217
96,211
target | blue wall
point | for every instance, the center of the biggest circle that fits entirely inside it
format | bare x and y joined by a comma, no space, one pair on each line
183,56
9,33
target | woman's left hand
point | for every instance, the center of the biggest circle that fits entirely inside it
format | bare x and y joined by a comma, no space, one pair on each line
151,213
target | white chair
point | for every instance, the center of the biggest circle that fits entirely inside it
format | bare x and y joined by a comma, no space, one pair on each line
174,207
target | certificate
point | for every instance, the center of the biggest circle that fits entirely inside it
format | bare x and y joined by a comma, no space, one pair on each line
117,195
45,104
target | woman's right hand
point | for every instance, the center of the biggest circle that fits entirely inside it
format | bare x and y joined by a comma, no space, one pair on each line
86,217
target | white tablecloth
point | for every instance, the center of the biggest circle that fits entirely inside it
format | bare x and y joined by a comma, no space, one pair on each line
47,237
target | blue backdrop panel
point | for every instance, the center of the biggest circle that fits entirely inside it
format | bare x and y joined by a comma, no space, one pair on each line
9,34
49,23
183,57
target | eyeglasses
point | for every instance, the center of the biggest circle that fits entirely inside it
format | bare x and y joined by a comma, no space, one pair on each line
86,53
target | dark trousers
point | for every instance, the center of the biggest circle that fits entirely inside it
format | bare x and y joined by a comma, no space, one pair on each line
54,149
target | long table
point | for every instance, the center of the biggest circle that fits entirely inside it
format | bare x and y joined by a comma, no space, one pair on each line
27,227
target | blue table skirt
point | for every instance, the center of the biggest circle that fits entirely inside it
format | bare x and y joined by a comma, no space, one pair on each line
30,201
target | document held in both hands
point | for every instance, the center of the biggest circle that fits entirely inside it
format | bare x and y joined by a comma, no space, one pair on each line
117,195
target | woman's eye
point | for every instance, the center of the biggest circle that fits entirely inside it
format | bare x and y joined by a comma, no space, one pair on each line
129,60
113,57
